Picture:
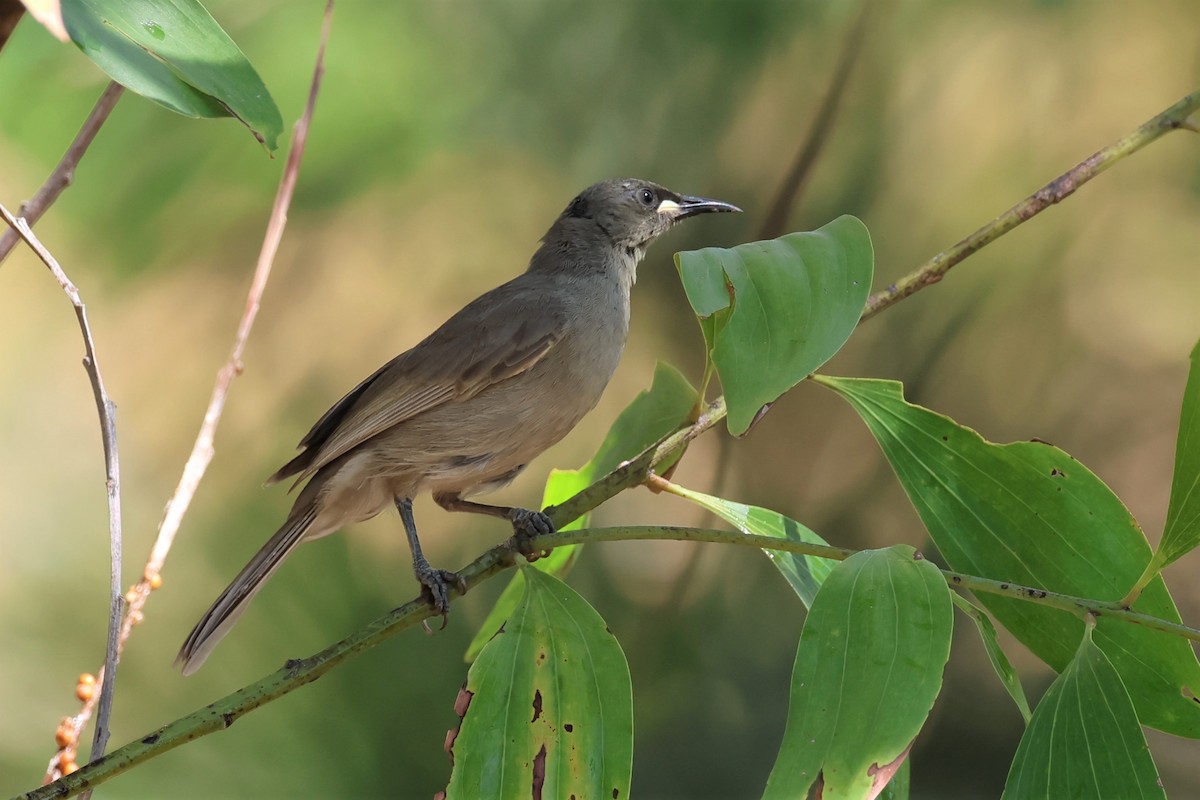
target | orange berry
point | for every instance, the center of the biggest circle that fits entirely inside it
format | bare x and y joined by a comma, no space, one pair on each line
67,767
64,735
155,581
85,691
87,678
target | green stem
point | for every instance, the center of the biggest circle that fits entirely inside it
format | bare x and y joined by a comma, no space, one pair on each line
1056,191
296,673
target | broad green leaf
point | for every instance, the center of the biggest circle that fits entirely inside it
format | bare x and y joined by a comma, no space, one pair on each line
653,414
174,53
804,573
867,671
551,705
1084,739
1031,514
1004,669
773,311
1182,531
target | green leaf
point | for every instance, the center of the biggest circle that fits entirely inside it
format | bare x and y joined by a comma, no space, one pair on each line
1031,514
551,704
1084,739
804,573
773,311
1182,531
653,414
1000,663
174,53
868,669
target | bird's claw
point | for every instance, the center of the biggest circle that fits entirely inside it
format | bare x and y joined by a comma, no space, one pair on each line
436,589
527,526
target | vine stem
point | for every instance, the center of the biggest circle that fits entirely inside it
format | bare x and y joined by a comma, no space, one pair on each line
298,672
1174,118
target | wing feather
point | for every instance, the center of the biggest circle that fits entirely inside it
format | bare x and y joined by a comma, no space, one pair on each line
498,336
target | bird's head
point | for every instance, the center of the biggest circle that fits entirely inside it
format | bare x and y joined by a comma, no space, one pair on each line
609,225
631,213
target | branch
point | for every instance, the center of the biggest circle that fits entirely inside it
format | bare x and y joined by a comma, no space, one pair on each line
1056,191
64,173
635,471
298,672
112,473
203,449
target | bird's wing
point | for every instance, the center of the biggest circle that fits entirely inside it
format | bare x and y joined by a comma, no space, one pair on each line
500,335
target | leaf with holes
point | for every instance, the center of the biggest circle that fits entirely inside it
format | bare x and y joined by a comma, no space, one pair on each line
773,311
550,705
1031,514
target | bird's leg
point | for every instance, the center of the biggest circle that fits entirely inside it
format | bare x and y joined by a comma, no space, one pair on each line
526,524
435,581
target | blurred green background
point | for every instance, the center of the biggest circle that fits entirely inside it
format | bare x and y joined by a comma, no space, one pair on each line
447,137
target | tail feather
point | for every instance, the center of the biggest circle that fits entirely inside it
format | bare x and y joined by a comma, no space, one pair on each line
227,608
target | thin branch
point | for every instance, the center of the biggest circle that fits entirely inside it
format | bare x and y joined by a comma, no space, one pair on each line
64,173
112,473
1056,191
806,158
298,672
203,449
635,471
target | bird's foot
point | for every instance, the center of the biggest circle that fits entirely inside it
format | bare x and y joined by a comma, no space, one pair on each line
436,585
528,525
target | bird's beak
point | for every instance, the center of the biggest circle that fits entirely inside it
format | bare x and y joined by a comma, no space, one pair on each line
690,206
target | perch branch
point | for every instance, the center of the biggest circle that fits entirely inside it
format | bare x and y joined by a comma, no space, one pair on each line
298,672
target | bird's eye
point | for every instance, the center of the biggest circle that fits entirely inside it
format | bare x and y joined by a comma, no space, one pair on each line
645,197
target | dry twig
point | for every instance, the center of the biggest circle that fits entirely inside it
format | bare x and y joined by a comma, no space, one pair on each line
112,474
203,449
64,173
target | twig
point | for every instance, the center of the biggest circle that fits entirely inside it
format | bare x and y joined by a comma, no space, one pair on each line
203,449
1056,191
64,173
112,473
298,672
793,183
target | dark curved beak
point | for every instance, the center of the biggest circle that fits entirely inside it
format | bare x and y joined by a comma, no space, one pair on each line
688,206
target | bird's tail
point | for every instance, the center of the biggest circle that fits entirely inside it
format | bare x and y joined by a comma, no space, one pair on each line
227,608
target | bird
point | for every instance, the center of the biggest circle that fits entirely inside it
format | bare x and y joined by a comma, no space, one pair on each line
465,410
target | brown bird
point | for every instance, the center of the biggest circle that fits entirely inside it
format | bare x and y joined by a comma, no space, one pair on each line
469,407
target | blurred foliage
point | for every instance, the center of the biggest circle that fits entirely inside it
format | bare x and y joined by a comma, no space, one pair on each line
447,137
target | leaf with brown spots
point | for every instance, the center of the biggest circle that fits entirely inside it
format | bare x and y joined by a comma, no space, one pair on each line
551,708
